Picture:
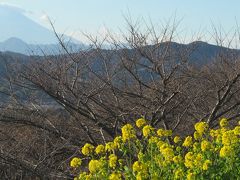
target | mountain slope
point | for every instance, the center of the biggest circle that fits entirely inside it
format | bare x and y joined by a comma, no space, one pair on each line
18,46
14,23
201,54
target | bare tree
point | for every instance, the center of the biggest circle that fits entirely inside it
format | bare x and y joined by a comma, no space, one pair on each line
55,104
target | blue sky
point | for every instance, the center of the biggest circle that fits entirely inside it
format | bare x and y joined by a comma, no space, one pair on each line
94,15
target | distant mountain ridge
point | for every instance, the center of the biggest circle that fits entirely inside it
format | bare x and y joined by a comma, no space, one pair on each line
19,46
202,54
21,34
14,23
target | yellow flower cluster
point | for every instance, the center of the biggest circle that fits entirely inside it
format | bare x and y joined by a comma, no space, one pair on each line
201,127
117,141
205,145
115,176
109,146
87,149
188,141
223,122
226,151
112,161
147,130
140,122
229,138
177,139
206,164
167,153
189,157
137,166
139,169
237,130
100,149
75,162
94,166
162,132
205,154
128,132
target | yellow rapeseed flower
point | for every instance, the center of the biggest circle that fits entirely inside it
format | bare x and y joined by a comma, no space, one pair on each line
82,175
147,130
168,132
157,158
137,166
196,146
140,122
89,177
176,139
109,146
163,146
189,158
139,176
177,159
206,164
178,174
197,136
85,176
237,130
215,133
188,141
205,145
190,176
226,151
128,132
112,161
87,149
223,122
160,143
162,132
75,162
117,141
201,127
100,149
223,130
198,160
229,138
115,176
153,139
168,153
94,166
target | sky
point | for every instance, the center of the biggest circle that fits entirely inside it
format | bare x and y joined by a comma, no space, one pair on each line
94,16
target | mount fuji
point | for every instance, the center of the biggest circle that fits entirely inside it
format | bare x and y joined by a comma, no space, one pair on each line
21,34
14,23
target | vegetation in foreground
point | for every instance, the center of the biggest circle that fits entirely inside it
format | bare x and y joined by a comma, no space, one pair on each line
153,153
